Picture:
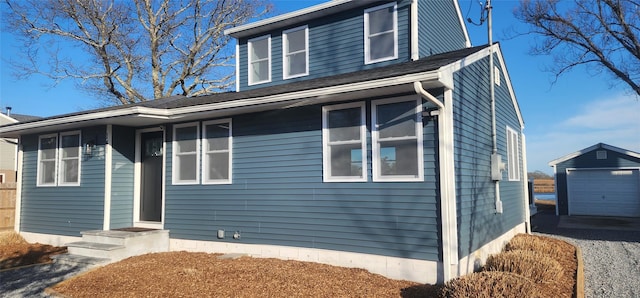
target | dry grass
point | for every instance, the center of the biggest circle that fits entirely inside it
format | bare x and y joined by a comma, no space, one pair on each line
556,249
490,285
536,266
11,238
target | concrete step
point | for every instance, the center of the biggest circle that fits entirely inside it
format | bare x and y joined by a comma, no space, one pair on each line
95,250
70,259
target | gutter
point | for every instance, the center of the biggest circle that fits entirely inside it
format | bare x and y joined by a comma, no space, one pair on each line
448,211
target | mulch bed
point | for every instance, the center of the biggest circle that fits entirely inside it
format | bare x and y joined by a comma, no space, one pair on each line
23,254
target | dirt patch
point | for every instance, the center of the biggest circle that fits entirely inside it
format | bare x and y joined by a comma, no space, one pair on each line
183,274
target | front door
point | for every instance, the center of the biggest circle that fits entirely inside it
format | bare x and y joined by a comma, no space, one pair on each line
151,176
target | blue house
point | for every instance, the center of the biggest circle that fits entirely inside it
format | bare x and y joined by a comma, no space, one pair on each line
361,134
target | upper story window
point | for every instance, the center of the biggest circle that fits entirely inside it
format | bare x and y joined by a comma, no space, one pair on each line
59,159
217,152
345,146
397,140
259,50
381,33
295,53
186,153
513,156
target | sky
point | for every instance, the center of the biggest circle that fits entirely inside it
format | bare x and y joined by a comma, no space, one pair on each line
574,112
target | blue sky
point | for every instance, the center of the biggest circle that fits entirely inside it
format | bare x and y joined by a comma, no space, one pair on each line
578,111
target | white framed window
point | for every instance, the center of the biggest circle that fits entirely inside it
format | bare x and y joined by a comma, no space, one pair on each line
381,33
295,53
344,142
69,152
59,159
186,147
259,56
397,139
513,156
216,150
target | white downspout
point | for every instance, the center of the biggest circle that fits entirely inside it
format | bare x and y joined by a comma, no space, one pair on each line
18,210
447,181
415,50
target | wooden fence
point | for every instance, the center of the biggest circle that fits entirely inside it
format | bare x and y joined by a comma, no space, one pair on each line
7,205
544,186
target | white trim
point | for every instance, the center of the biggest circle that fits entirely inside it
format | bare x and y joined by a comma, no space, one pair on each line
238,67
375,140
513,162
326,151
79,158
177,113
467,42
55,160
204,152
420,271
108,164
249,60
367,43
137,170
525,184
591,148
174,155
448,198
283,17
18,211
285,43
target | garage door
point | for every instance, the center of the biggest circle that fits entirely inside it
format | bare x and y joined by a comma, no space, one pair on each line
604,192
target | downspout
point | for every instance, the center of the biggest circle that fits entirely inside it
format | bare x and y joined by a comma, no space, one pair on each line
108,172
447,185
18,209
415,50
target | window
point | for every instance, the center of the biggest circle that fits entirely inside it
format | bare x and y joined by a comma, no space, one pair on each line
344,139
69,159
294,51
259,49
185,153
381,33
397,140
59,159
217,152
513,158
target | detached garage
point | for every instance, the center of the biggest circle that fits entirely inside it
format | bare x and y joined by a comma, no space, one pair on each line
601,180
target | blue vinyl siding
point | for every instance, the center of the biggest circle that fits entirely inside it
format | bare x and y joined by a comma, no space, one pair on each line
64,210
278,196
336,46
587,160
122,173
439,28
478,224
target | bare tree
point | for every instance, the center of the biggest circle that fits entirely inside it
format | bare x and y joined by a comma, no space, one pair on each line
602,34
135,50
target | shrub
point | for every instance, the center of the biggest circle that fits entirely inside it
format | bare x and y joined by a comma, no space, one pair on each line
538,267
556,249
489,285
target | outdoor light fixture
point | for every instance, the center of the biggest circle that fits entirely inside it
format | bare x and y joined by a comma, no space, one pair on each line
89,147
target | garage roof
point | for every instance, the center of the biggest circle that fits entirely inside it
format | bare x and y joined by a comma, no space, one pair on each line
594,147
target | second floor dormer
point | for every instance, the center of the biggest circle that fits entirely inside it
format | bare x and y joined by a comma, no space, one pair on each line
343,36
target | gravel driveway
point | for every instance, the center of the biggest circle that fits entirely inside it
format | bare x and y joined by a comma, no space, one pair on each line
611,257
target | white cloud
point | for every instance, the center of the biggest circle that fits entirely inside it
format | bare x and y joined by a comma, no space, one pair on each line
614,121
